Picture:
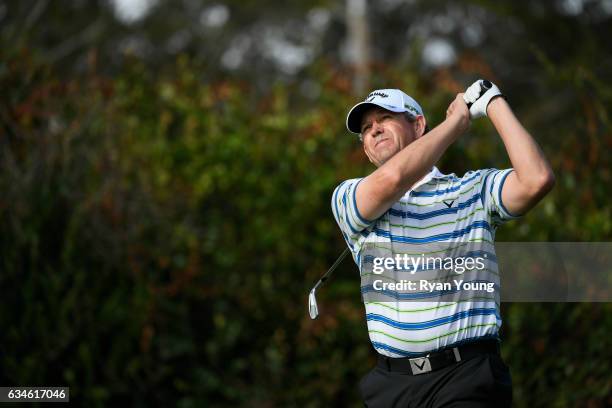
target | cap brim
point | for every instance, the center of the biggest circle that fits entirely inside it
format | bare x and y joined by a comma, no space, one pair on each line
353,119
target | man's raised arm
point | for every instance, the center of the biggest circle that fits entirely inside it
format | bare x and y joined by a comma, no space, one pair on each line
377,192
532,177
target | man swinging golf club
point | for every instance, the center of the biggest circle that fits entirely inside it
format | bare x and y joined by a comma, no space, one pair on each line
446,354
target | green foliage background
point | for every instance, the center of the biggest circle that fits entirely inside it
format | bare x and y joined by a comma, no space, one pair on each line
159,233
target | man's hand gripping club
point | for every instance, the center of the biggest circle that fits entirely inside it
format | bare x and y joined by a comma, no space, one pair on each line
478,95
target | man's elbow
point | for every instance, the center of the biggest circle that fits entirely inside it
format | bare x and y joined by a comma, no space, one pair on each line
542,184
388,180
547,182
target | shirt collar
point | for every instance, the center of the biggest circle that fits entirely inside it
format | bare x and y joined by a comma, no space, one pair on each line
433,173
436,173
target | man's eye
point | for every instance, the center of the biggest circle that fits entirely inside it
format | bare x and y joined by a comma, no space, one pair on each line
365,128
386,116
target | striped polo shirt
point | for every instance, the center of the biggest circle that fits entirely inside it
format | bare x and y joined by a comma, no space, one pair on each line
423,215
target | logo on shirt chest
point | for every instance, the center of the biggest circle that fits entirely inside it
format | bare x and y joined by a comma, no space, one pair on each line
448,203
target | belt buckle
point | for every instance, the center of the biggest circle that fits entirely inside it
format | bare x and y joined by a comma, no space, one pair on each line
420,365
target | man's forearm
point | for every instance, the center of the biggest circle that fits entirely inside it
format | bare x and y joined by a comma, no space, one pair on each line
416,159
525,155
533,175
377,193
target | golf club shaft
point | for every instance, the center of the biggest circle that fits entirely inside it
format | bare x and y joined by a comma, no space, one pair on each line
331,269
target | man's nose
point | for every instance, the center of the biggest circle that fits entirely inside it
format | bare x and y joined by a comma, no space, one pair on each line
377,128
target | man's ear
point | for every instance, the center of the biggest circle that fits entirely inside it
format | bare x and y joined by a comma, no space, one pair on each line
421,125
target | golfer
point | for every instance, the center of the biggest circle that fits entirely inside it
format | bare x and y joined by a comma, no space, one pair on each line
445,354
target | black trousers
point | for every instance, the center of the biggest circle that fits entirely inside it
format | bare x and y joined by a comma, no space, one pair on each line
482,381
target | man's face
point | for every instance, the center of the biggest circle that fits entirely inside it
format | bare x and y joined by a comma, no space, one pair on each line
385,133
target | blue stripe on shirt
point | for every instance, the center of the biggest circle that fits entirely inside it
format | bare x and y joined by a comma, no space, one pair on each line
435,213
483,189
363,220
433,238
499,197
346,215
335,199
431,323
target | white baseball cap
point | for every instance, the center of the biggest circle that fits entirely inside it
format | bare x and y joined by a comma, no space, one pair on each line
392,100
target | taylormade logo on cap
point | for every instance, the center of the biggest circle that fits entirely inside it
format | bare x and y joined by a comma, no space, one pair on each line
393,100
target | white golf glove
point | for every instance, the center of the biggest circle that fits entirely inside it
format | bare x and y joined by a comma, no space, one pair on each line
478,96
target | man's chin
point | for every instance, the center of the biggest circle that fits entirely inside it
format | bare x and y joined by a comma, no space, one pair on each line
385,156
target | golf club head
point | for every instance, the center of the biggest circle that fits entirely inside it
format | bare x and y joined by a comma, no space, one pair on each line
312,305
313,309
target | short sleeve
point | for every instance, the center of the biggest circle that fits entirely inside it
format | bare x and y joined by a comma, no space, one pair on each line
491,194
344,206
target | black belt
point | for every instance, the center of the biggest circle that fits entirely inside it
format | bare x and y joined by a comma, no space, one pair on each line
439,358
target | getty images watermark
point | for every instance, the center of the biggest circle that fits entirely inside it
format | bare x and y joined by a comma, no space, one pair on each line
412,264
504,272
